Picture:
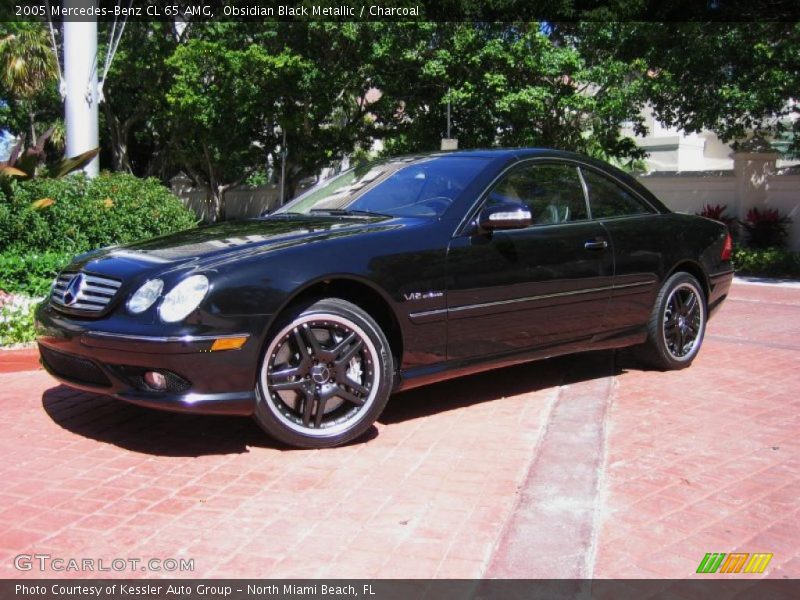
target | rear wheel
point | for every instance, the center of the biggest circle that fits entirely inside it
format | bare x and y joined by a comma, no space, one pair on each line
325,376
677,324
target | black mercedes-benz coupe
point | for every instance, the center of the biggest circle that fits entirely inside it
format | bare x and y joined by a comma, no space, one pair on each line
389,276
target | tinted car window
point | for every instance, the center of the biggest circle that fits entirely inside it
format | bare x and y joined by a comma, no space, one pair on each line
608,199
408,187
553,193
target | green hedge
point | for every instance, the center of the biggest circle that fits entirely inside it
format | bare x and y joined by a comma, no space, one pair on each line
30,274
769,262
74,214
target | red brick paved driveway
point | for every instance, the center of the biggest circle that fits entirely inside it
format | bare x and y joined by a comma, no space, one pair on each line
574,467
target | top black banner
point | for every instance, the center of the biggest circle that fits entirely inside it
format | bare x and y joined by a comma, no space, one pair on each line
402,10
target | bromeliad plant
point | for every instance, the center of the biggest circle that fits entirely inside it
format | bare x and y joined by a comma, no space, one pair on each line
31,163
27,163
766,228
718,212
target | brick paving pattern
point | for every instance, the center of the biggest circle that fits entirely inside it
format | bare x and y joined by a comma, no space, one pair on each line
708,459
576,466
87,476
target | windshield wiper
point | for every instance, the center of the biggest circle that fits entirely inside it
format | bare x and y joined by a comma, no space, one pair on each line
288,213
347,212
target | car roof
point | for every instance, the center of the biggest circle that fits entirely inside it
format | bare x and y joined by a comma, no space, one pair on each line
499,153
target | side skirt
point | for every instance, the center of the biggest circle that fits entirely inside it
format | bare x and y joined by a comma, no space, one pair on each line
408,379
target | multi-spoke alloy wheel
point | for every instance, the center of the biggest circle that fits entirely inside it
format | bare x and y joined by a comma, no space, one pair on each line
677,324
683,319
324,377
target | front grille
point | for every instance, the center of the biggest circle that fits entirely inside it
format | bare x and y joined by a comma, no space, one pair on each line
81,292
73,368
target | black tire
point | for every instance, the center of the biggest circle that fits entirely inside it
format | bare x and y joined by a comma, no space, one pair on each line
677,324
325,377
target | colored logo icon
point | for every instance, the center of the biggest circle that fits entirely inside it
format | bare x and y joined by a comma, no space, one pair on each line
735,562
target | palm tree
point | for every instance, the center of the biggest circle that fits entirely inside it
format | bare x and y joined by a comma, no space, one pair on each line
27,65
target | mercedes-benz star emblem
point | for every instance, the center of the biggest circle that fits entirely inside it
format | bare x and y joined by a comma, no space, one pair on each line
73,290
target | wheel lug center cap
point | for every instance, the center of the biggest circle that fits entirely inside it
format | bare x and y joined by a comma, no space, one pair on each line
320,373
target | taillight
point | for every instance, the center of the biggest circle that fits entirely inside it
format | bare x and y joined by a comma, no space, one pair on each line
727,247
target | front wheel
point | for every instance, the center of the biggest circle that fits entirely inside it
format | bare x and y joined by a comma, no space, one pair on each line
677,324
325,376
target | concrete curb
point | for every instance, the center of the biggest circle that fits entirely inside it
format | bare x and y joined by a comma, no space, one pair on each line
19,359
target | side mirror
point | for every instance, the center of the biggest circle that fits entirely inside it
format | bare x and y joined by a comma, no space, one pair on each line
509,215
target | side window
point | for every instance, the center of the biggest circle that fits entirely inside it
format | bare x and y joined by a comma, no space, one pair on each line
608,199
553,193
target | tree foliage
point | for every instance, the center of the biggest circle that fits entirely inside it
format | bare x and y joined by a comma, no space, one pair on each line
214,100
137,126
216,105
738,79
508,85
27,60
238,88
29,84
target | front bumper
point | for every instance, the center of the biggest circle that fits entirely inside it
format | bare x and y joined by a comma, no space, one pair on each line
81,354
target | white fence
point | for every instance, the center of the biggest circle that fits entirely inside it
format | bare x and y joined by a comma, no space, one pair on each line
754,182
689,192
240,203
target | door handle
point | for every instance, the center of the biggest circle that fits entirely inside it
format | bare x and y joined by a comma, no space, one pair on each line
596,244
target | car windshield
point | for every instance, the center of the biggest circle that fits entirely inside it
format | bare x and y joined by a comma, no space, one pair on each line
405,187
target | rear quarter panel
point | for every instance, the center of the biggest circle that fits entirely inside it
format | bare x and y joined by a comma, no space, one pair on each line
648,249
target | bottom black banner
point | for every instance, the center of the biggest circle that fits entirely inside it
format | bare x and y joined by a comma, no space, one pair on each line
389,589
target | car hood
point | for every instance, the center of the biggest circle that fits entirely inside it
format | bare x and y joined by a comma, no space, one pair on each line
214,245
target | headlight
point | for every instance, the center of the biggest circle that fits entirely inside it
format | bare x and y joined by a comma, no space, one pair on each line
144,297
183,298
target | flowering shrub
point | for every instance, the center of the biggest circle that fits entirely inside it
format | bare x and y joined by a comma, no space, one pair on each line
16,319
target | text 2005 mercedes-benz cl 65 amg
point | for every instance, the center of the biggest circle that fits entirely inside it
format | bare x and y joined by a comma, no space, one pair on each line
388,276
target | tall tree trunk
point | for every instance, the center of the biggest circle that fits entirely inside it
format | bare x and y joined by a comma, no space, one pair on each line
32,122
215,189
119,141
290,182
221,208
291,188
213,204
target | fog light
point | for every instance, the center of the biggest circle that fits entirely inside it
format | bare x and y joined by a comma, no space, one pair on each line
155,380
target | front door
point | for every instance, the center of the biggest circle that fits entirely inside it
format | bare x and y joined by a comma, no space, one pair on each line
544,285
